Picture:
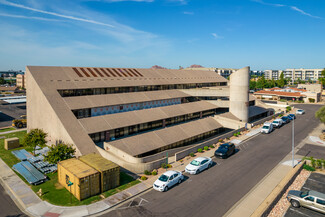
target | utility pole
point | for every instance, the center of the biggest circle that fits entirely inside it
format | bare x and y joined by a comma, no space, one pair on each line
293,143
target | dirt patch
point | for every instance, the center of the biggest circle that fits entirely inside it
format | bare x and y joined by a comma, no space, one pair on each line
322,136
58,186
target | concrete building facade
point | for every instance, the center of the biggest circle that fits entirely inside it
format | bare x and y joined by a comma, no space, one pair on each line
21,80
133,117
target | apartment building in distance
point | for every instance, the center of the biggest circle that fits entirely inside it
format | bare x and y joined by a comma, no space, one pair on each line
21,80
134,117
272,74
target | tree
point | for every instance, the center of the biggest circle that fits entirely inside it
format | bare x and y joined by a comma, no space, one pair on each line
252,85
261,82
320,114
281,81
59,152
322,78
35,137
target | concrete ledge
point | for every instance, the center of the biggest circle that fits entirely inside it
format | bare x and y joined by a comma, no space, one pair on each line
267,205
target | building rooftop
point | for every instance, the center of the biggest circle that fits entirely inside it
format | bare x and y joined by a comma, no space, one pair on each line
118,120
78,168
150,141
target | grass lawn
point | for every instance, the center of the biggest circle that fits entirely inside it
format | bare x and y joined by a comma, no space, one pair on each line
56,194
7,129
52,191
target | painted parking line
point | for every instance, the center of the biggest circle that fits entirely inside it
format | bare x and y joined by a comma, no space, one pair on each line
301,213
315,181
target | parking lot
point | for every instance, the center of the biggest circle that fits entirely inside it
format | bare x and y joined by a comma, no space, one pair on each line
315,182
10,112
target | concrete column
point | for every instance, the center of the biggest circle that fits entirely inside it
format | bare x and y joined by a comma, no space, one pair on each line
239,94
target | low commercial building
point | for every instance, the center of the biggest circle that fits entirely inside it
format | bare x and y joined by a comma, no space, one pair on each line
21,80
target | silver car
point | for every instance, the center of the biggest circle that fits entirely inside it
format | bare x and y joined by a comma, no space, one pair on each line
310,199
198,164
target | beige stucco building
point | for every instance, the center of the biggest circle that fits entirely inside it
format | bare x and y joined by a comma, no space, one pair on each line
133,117
21,80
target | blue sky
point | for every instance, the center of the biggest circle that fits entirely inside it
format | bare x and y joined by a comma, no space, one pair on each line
263,34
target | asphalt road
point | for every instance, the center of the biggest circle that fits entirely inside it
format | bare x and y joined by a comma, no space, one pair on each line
215,191
10,112
7,207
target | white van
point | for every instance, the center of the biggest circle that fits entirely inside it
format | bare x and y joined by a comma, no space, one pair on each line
277,123
267,127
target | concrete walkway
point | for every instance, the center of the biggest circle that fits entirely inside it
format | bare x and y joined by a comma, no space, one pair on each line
12,131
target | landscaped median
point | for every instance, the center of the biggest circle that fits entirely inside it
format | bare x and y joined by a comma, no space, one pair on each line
52,191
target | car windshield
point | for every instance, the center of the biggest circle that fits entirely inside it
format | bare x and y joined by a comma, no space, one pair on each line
304,193
275,122
283,118
265,127
223,147
195,163
300,110
163,178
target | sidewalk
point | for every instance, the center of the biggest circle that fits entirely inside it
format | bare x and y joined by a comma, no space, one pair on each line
12,131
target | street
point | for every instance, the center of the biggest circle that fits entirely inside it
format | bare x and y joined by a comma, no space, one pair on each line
215,191
7,206
10,112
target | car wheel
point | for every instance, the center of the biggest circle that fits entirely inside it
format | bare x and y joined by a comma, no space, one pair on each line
179,181
210,165
295,203
197,172
166,188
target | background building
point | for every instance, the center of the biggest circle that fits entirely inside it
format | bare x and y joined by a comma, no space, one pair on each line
272,74
21,80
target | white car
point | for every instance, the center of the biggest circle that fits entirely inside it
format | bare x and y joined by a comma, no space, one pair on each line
167,180
267,128
277,123
198,164
300,112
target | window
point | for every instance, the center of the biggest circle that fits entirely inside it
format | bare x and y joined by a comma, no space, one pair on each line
319,201
172,177
310,198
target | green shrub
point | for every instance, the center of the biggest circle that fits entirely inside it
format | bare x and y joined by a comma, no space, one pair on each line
169,166
200,150
144,178
163,165
211,146
280,115
192,154
311,100
206,148
235,134
146,172
313,162
154,172
220,140
323,162
319,163
309,168
288,108
283,100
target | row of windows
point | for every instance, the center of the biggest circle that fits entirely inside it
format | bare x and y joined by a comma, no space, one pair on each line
111,90
145,127
105,110
185,142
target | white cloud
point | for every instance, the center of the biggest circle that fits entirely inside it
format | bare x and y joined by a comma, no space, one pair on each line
26,17
55,14
303,12
291,7
188,13
216,36
182,2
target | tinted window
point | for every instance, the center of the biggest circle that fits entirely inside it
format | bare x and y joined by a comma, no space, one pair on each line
175,175
204,161
319,201
172,177
310,198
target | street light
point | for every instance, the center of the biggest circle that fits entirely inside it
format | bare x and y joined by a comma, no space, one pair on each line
293,142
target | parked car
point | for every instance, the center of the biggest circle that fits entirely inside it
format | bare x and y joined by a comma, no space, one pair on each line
198,164
310,199
167,180
300,112
277,123
291,116
225,150
285,119
267,127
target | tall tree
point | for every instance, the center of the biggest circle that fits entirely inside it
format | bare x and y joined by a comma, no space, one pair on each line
322,78
252,85
35,137
281,81
260,84
59,152
320,114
